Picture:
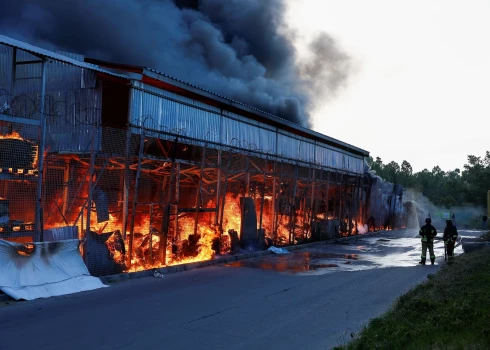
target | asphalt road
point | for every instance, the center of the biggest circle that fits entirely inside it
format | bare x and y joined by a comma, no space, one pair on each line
308,299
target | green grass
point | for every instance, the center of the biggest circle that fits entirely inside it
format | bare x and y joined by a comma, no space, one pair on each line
449,311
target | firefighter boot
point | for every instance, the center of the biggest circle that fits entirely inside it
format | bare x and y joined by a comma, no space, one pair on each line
422,262
432,261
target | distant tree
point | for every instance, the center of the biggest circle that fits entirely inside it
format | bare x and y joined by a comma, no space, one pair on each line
376,166
447,189
405,177
476,177
406,168
391,171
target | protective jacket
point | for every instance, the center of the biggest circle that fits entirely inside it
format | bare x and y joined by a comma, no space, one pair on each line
450,233
428,232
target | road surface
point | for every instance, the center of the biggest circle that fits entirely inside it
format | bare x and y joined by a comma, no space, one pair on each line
308,299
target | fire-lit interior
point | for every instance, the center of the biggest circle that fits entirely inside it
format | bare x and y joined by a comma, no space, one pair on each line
287,214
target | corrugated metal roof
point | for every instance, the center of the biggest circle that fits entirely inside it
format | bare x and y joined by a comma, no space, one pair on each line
5,40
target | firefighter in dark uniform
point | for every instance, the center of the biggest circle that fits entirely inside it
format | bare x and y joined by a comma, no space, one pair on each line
428,232
449,238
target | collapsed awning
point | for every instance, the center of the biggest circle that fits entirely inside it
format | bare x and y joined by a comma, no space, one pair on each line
40,270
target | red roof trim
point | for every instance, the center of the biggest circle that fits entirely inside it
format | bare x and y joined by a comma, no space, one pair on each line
124,67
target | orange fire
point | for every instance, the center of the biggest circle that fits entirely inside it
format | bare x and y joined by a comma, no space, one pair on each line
146,233
13,135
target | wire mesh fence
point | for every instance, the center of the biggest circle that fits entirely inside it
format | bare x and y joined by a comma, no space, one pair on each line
141,199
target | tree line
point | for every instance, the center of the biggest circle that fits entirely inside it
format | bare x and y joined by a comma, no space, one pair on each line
448,189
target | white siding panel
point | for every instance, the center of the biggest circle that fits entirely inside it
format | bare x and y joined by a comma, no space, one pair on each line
165,115
288,147
307,152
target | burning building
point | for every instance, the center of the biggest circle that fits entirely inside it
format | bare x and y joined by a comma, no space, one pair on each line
150,171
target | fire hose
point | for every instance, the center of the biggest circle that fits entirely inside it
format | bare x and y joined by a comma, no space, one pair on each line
458,242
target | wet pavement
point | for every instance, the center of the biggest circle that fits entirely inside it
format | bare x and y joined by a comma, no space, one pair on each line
398,248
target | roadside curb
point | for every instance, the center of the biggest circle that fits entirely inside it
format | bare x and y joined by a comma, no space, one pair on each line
221,260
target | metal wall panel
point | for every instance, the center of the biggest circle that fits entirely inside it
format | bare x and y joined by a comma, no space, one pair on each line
249,121
5,69
165,115
336,160
71,118
321,155
170,95
239,134
267,141
287,146
307,152
198,124
27,88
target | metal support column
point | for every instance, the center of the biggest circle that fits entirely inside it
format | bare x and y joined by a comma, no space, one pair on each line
90,193
278,204
66,179
40,172
247,191
127,181
262,195
273,214
222,211
162,248
135,197
199,189
14,73
351,207
218,191
292,215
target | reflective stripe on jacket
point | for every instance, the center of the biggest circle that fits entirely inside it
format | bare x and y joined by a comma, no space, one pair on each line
428,232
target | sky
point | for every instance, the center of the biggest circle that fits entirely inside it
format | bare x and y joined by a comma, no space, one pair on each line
419,82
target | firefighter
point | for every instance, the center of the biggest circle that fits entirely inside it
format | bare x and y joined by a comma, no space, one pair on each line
449,238
428,232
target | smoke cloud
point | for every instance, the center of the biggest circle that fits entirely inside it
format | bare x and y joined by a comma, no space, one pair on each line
420,207
241,49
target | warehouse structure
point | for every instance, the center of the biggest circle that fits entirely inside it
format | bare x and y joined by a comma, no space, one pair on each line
151,171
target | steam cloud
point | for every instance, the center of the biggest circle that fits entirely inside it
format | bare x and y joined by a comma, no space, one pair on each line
238,48
466,216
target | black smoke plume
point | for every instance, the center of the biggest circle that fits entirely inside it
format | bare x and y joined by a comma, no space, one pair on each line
241,49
